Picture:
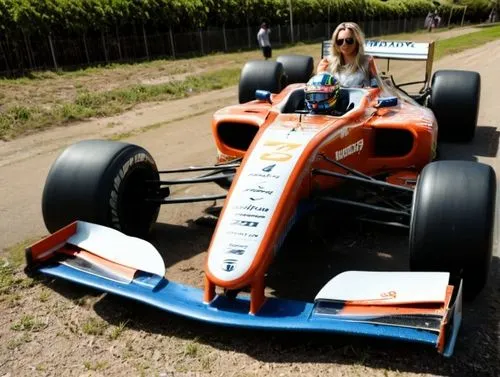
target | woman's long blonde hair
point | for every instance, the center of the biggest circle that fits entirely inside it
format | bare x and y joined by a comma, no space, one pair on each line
337,61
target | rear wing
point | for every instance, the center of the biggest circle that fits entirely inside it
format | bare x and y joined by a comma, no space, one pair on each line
397,50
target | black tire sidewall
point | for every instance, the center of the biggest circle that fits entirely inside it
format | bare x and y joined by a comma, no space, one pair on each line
297,68
127,211
259,74
452,222
455,99
91,181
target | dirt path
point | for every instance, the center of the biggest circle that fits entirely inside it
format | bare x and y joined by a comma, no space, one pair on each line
152,342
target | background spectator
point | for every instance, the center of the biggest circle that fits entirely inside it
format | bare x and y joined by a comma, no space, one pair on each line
432,20
263,39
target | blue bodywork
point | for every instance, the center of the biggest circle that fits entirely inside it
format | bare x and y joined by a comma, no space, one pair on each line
276,314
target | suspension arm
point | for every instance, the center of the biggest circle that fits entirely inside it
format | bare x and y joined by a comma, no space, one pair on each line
187,199
363,205
358,178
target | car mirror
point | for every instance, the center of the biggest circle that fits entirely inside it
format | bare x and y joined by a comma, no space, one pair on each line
387,102
263,95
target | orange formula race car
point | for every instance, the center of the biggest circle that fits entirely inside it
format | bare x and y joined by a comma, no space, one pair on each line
279,162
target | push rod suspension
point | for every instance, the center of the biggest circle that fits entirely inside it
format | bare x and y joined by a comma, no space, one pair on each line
200,168
364,205
207,178
370,181
187,199
352,171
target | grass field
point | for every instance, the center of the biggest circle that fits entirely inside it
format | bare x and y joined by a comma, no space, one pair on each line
48,99
464,42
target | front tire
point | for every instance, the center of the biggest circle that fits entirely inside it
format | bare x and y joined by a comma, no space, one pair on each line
452,222
103,182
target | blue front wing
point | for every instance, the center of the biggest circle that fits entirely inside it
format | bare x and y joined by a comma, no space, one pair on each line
276,314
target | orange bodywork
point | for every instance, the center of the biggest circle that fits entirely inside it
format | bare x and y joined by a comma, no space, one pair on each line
356,139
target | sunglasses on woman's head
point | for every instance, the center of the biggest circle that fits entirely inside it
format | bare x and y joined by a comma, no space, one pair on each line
340,42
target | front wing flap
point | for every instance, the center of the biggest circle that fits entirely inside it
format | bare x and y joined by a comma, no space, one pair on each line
55,257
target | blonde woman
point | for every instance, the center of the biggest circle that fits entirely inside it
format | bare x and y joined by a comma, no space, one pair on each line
347,61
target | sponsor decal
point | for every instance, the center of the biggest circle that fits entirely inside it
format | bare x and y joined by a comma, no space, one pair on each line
344,132
251,224
391,44
238,245
259,190
235,251
262,175
265,172
242,234
228,265
251,215
349,150
251,207
389,295
269,168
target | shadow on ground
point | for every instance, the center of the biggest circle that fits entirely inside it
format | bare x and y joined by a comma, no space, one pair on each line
485,144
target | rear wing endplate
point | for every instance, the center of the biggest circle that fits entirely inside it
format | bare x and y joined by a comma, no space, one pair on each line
397,50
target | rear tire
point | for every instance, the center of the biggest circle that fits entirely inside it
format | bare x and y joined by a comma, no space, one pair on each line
452,222
298,68
260,74
455,97
103,182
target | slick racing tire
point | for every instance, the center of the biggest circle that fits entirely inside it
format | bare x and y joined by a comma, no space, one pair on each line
452,222
455,97
260,74
102,182
298,68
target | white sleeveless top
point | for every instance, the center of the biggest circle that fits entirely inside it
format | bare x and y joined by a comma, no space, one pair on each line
356,79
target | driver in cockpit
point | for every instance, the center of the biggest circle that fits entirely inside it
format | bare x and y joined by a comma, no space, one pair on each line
322,95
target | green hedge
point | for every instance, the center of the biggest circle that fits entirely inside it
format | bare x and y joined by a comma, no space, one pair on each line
60,17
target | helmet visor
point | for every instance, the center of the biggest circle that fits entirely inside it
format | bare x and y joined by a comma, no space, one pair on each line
317,97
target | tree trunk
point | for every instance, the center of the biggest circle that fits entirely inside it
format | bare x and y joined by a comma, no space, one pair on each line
172,44
2,51
118,41
145,41
248,33
28,50
104,47
53,52
201,42
86,49
224,36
